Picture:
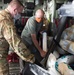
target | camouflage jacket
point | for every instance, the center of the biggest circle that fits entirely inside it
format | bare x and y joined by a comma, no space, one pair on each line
8,37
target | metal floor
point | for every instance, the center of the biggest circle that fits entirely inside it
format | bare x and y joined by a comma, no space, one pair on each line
14,68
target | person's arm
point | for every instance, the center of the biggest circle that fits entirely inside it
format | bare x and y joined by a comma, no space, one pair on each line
31,29
9,33
33,36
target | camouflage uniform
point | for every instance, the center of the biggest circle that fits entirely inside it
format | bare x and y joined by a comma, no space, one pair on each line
8,37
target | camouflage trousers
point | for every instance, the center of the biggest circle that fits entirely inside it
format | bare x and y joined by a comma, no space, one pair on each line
4,68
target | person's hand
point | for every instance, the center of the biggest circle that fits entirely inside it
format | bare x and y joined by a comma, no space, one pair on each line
43,53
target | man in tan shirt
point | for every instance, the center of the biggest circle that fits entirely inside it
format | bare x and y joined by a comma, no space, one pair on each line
8,37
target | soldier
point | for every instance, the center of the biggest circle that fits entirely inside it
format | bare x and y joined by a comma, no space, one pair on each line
8,36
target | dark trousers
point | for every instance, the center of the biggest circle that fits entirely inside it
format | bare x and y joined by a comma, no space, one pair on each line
33,50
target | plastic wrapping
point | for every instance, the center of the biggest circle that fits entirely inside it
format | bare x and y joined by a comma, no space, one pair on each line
67,45
52,68
68,59
51,65
66,10
44,41
68,33
67,41
65,65
37,70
